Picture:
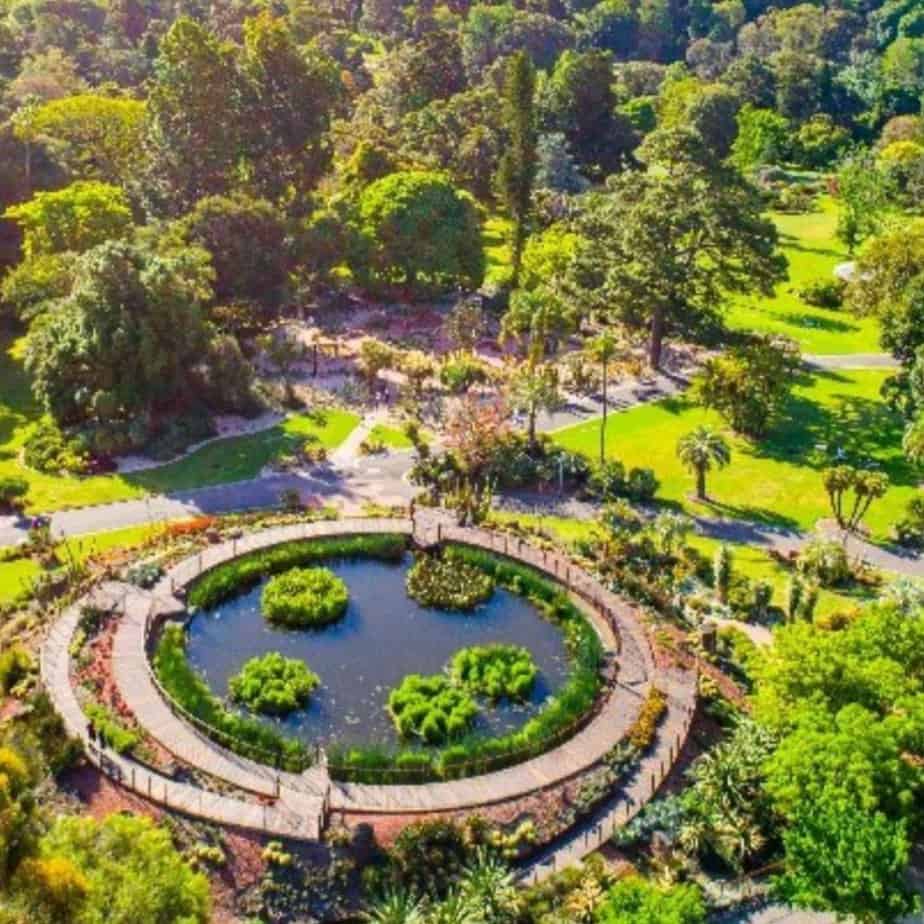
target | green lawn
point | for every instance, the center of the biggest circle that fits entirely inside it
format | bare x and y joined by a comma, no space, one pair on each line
813,251
776,481
391,437
224,461
495,237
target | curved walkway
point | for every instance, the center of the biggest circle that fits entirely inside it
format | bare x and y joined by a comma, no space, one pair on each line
299,803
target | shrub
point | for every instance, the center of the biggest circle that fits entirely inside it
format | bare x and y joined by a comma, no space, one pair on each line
49,450
642,733
304,597
249,737
825,561
110,728
12,489
15,665
273,684
749,385
823,293
495,671
231,577
641,485
610,482
910,529
431,708
460,373
448,585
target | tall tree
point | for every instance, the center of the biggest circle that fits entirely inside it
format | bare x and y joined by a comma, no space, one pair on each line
193,119
603,349
289,95
666,246
516,172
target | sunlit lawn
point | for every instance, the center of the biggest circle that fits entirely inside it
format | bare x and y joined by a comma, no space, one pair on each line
778,480
220,462
813,251
390,437
495,237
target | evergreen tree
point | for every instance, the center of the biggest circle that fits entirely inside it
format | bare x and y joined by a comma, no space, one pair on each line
517,170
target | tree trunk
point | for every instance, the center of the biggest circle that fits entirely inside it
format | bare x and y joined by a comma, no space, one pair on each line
603,427
656,340
701,483
532,426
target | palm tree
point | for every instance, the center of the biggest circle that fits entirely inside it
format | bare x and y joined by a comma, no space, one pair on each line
699,450
603,349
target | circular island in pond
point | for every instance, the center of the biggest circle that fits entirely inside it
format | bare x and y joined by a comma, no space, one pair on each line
303,598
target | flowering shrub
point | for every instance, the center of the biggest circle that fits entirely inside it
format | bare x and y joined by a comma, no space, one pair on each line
448,585
273,684
431,708
304,597
495,671
642,733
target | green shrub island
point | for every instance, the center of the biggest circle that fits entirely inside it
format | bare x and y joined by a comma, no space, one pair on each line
239,574
273,684
243,735
304,597
448,585
431,708
495,671
557,720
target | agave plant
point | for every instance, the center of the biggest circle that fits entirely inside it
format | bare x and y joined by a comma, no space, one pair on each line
395,906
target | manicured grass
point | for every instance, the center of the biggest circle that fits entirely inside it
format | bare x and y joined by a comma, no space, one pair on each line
15,577
495,238
224,461
813,251
242,457
778,480
391,437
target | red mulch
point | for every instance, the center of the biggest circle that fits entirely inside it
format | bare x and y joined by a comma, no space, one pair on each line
243,869
103,796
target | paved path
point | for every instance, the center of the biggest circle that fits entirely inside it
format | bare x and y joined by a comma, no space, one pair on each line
834,361
630,798
288,818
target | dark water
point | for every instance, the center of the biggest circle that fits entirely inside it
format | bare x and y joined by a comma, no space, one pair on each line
384,636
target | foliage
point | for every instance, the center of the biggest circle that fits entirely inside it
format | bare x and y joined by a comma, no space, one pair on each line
841,859
496,671
304,597
910,529
243,735
448,585
641,734
841,482
246,239
431,708
418,231
111,729
825,561
666,247
15,665
78,217
749,385
634,900
516,172
122,344
273,684
459,373
699,450
131,869
823,293
234,576
864,192
12,490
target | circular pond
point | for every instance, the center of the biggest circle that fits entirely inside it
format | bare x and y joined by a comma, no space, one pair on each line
383,637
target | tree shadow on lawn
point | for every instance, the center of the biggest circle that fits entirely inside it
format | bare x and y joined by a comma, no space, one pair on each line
815,322
847,430
790,242
762,515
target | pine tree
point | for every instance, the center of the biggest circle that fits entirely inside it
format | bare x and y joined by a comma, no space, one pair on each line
517,170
